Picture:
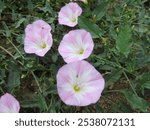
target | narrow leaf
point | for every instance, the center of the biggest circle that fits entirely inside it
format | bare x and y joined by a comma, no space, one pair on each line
30,5
113,77
20,22
42,102
7,30
90,27
135,101
100,10
123,42
144,81
29,104
2,6
14,77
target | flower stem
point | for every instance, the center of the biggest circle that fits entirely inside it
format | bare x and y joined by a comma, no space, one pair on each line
10,55
132,87
7,52
37,82
15,48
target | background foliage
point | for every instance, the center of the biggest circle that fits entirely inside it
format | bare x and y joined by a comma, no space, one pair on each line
120,29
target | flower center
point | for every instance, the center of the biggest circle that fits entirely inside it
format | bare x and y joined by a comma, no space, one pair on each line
81,51
76,88
43,45
73,20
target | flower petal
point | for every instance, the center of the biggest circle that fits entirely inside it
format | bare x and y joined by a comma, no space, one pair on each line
82,74
42,25
38,38
68,14
8,104
76,45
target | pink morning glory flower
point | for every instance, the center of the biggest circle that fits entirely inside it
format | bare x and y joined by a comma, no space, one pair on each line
38,38
79,84
68,14
76,45
8,104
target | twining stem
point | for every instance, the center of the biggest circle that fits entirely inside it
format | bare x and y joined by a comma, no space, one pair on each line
130,83
125,75
123,70
15,47
7,52
37,82
10,55
119,66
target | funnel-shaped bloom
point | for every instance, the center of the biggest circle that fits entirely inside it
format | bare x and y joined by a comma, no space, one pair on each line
38,38
8,104
68,14
76,45
79,84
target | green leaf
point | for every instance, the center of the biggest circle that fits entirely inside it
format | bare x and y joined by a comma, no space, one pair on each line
123,42
7,30
48,8
113,77
90,27
30,5
42,102
2,6
121,107
100,10
55,57
135,101
20,22
140,58
2,76
144,81
29,104
146,85
14,77
14,15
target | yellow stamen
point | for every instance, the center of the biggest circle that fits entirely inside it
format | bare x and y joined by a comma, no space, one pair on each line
43,45
81,51
76,88
73,19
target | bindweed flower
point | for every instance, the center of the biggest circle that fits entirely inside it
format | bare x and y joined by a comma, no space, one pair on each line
68,14
38,38
8,104
79,84
76,45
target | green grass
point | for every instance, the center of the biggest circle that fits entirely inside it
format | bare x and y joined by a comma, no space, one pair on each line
121,33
